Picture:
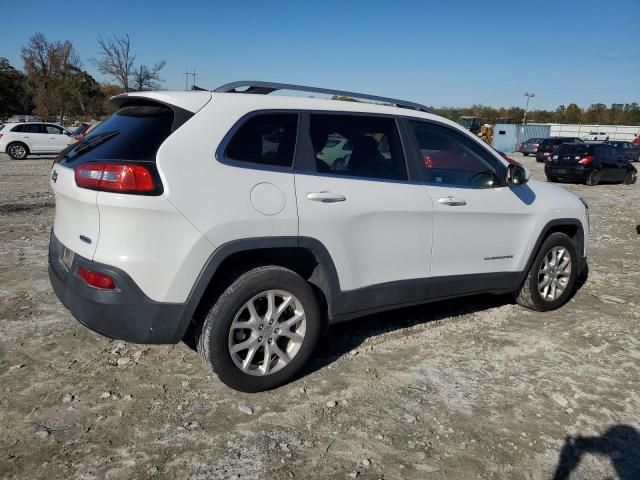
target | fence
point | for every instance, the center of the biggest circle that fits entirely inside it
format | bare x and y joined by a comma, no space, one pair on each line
507,137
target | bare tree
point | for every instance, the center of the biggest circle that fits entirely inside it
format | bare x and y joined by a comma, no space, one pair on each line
147,78
116,59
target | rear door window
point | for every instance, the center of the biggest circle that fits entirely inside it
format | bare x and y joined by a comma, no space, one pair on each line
133,133
357,146
267,139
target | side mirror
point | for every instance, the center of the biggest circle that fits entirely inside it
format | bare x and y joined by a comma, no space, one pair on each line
517,174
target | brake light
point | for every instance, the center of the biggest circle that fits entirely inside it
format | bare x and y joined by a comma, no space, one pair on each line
96,280
552,158
124,178
586,160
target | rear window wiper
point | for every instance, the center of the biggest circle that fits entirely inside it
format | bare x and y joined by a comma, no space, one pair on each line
91,143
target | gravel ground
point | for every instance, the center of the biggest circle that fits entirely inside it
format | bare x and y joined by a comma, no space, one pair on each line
472,388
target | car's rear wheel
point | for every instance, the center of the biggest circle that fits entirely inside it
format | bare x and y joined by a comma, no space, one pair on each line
630,178
594,178
17,151
551,178
261,330
551,279
525,154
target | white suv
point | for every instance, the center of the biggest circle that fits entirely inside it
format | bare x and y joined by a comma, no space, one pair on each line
216,211
37,138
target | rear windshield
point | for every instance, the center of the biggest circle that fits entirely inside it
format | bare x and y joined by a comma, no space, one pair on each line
573,149
133,133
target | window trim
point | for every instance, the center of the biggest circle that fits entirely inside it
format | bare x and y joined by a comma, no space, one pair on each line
502,168
221,151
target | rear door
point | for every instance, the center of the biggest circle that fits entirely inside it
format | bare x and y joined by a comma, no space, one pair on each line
363,207
35,136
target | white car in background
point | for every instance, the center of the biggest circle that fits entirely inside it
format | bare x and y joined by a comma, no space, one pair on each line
33,138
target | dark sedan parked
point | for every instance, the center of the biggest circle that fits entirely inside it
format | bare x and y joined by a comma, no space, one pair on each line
530,146
548,145
590,163
631,150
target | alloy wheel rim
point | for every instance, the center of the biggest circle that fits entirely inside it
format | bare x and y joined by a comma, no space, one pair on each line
18,151
267,332
554,273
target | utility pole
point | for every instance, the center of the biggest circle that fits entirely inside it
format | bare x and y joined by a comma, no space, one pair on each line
526,108
188,74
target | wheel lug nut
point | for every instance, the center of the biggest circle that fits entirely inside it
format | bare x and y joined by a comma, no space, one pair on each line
259,339
277,330
261,327
270,340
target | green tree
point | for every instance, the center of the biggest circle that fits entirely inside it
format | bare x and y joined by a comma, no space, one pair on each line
596,113
573,114
14,97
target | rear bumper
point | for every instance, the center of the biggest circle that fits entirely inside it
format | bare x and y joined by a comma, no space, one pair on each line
564,171
125,313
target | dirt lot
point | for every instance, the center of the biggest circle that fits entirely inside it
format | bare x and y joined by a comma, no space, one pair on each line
473,388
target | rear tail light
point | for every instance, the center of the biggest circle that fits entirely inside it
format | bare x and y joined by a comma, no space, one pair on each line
1,135
96,280
586,160
123,178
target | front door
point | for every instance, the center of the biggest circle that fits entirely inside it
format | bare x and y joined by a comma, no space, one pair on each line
375,224
480,225
57,140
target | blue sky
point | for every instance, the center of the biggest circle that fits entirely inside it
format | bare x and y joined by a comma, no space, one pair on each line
453,53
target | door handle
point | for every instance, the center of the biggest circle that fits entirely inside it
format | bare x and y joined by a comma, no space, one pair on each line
326,197
452,201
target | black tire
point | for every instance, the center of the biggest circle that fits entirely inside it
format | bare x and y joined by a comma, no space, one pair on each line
594,178
528,295
630,178
551,179
214,334
525,154
17,150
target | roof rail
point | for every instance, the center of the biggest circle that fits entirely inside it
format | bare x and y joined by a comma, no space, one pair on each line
264,88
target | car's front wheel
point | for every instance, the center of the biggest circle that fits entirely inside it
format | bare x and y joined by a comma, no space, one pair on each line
261,330
17,151
551,279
